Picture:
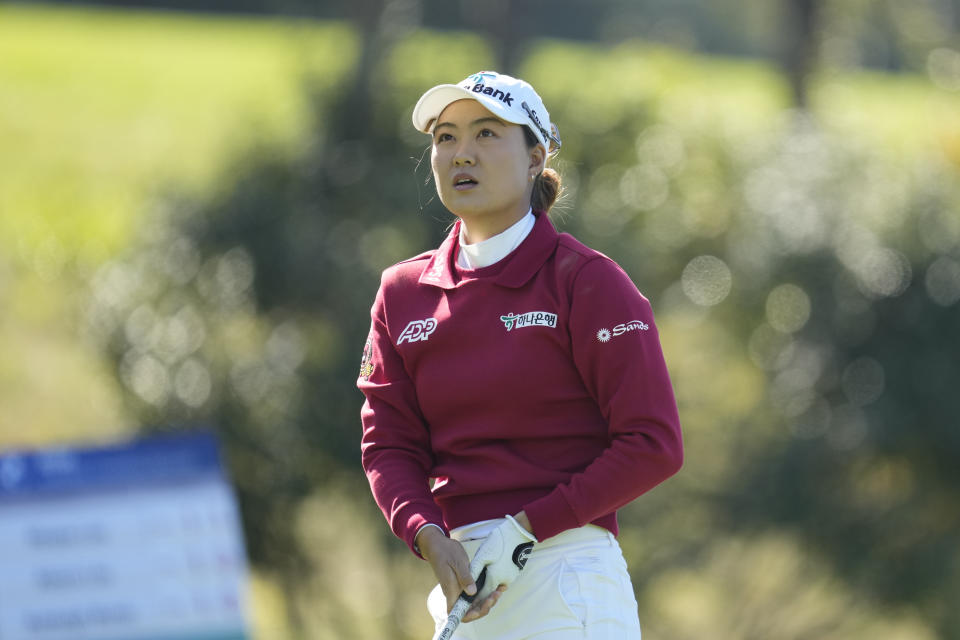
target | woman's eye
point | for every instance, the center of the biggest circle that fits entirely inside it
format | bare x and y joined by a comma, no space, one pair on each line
486,133
443,137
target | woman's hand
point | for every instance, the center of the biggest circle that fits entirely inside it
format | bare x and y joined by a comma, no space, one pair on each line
480,609
451,566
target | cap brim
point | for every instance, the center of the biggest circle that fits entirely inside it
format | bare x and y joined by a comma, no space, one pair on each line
432,103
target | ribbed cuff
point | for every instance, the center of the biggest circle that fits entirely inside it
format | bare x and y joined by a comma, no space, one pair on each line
416,548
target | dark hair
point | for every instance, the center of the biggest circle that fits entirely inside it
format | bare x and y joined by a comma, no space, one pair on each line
547,186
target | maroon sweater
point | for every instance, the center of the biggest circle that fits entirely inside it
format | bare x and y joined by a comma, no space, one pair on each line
537,384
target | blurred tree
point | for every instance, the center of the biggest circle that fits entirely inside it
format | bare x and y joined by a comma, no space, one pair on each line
853,282
505,24
886,34
801,31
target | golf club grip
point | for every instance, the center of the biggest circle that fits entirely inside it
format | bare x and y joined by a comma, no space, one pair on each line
460,607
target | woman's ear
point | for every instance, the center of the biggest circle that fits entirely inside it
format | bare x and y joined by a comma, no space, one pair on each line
538,159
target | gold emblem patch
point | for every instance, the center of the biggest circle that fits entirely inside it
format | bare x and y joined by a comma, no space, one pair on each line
366,363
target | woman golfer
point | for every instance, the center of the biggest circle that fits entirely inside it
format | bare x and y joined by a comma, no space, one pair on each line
516,391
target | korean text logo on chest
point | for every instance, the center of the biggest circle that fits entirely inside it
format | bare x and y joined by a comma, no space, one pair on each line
529,319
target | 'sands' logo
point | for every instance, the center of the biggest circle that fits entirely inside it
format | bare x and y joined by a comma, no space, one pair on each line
604,335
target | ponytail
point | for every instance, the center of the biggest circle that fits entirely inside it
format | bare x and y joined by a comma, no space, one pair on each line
547,186
546,190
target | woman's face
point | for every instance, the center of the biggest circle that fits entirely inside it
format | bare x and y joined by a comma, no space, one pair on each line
482,165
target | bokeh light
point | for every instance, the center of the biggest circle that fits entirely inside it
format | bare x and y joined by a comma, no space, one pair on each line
943,65
863,381
942,281
706,280
788,308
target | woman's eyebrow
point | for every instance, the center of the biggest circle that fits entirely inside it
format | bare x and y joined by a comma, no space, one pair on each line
476,122
488,119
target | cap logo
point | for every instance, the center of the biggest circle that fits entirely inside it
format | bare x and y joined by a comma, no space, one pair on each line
505,98
547,135
479,77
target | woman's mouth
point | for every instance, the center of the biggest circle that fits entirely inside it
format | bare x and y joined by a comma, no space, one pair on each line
463,182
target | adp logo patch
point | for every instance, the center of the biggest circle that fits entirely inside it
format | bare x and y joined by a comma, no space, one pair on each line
418,330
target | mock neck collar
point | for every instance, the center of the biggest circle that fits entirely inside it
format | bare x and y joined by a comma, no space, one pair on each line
512,271
493,249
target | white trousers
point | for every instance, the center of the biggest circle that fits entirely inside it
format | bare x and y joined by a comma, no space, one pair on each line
575,586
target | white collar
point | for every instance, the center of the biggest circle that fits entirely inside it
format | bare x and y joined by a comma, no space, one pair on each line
493,250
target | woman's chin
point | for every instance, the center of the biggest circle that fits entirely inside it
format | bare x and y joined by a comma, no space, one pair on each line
467,207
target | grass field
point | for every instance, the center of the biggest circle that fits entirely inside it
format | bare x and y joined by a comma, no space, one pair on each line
98,108
98,111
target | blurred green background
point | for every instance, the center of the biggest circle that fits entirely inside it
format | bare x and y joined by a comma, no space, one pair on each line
195,207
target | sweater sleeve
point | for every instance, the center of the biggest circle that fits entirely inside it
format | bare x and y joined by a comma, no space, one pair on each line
395,445
616,349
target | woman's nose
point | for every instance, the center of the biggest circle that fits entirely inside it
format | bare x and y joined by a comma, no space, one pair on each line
464,155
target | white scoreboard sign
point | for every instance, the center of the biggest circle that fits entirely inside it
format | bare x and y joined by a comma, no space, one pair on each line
138,541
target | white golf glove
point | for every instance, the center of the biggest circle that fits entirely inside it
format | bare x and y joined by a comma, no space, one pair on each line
503,553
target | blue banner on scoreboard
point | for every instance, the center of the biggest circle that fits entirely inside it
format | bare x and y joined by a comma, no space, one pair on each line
156,460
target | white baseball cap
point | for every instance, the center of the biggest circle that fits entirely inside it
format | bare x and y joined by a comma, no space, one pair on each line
508,98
